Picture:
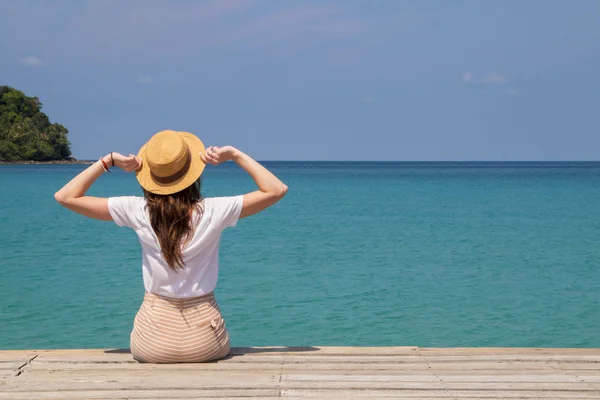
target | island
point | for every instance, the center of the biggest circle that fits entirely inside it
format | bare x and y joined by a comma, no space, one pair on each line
26,134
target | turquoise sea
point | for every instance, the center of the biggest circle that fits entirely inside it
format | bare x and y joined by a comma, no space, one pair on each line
377,254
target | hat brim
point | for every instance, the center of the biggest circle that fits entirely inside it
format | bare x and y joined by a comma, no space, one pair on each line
196,168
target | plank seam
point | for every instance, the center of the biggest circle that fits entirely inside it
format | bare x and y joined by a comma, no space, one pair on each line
429,366
279,389
21,369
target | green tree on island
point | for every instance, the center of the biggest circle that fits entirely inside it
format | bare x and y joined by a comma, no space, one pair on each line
26,133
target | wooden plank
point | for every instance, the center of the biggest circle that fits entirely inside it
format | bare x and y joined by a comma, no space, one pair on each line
574,366
525,378
589,378
330,354
254,358
5,377
390,368
546,378
146,379
163,381
16,355
360,378
500,367
428,396
141,394
11,366
414,359
59,383
435,394
381,369
84,357
515,357
431,351
432,385
416,362
297,395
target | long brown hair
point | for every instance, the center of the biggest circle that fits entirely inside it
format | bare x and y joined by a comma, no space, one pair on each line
171,219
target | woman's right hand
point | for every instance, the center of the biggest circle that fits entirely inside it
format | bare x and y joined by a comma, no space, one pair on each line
126,163
216,155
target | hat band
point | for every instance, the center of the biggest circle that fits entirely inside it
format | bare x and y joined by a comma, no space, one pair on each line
172,178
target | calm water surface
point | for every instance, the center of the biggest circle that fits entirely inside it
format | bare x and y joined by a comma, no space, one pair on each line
422,254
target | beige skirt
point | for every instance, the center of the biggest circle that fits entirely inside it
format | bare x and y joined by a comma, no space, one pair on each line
168,330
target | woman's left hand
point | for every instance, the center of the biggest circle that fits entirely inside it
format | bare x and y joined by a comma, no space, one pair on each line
126,163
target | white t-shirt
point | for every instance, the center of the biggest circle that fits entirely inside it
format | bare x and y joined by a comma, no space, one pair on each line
200,255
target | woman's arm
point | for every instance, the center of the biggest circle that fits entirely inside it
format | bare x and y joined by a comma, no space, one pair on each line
72,195
271,189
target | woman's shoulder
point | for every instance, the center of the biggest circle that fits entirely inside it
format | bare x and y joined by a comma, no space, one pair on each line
127,200
219,201
223,210
127,210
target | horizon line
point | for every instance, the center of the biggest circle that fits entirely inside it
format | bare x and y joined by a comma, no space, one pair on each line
418,161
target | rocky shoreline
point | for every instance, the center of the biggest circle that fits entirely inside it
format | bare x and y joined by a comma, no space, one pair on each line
55,162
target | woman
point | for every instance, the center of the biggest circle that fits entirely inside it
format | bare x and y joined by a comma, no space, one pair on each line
179,319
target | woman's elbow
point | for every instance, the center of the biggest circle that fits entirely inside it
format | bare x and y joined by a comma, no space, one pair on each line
282,191
60,199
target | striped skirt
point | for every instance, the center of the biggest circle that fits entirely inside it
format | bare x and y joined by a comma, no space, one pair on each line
168,330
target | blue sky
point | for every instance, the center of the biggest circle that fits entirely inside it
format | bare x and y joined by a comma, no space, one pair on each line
316,80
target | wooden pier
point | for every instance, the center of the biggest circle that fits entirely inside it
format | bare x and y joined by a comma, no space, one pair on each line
301,372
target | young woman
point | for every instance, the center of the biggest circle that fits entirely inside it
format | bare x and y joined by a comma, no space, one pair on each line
179,231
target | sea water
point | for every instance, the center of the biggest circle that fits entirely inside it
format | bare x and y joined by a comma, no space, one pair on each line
356,254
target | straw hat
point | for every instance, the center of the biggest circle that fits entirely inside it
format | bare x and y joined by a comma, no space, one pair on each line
170,162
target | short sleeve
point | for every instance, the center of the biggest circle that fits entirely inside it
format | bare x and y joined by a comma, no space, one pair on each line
126,210
225,210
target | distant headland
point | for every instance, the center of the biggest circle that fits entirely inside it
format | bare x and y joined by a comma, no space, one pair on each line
71,161
26,134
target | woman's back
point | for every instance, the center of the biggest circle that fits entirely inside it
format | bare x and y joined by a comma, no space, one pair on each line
200,254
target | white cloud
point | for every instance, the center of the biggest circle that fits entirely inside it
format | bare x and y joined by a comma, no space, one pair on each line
513,92
144,79
32,61
486,79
